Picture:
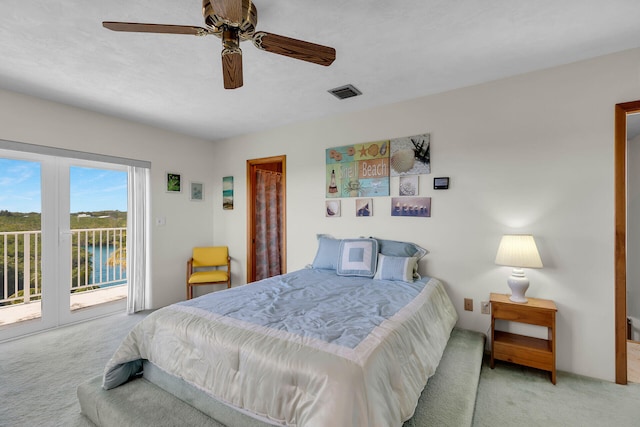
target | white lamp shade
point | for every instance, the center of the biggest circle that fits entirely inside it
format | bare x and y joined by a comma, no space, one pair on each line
518,250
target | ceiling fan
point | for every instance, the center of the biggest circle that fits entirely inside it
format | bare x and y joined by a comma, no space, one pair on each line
234,21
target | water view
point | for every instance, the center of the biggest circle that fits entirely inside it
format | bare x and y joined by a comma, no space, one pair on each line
104,272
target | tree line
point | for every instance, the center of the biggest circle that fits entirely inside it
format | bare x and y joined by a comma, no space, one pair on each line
31,221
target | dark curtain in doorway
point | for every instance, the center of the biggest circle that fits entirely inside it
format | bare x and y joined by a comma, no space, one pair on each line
269,206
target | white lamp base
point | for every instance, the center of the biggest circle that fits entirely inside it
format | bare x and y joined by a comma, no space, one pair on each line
519,284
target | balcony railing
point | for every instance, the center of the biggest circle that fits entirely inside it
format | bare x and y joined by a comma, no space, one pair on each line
98,260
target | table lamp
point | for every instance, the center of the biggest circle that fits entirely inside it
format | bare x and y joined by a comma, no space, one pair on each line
518,251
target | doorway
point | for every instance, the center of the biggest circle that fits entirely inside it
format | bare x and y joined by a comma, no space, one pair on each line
61,221
259,250
633,248
621,157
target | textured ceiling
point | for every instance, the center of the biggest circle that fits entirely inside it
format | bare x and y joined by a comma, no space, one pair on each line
391,51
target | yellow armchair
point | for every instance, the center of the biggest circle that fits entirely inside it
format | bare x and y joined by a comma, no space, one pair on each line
203,268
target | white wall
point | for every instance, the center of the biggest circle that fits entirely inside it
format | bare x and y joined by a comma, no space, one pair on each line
34,121
530,154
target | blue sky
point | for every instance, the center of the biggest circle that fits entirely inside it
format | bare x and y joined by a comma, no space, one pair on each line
91,189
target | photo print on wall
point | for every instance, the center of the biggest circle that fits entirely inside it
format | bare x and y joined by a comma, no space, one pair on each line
173,182
411,206
332,208
227,193
408,185
364,207
411,155
197,191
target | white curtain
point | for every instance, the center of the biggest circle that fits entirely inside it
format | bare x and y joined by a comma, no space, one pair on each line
138,238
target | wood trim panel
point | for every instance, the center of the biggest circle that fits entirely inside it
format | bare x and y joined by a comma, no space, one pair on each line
276,164
620,230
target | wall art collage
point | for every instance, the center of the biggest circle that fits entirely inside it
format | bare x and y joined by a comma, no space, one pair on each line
363,171
174,184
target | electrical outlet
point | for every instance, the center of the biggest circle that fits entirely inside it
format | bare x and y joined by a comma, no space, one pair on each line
485,307
468,304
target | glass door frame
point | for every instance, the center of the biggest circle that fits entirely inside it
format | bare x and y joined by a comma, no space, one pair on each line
56,247
66,315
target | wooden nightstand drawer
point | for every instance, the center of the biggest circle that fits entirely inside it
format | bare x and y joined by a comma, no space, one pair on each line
523,314
523,350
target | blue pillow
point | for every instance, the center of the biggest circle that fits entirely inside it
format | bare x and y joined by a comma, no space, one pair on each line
121,373
403,249
327,254
358,257
396,268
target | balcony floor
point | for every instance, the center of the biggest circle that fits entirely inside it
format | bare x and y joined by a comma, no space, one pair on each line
21,312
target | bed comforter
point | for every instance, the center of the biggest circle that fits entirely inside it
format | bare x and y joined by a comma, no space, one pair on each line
308,348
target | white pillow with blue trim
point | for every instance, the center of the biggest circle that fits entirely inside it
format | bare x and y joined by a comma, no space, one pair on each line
358,257
402,249
396,268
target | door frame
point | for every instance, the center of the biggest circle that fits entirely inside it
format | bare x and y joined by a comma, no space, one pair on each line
620,239
269,163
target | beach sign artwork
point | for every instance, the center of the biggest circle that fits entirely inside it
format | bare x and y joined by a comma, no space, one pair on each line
410,155
358,170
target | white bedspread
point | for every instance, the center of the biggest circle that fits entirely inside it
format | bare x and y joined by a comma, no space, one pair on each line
361,366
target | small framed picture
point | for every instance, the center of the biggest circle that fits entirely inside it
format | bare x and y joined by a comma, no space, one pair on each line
197,191
173,182
364,207
332,208
227,193
411,206
408,185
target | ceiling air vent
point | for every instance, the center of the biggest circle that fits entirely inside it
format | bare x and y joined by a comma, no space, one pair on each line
344,92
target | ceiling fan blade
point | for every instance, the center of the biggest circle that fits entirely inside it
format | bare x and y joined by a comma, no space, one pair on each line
229,10
232,69
155,28
231,58
293,48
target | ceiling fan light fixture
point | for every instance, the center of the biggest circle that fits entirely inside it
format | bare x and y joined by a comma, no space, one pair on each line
344,92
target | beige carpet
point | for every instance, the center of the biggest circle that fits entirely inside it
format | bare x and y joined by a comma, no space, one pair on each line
512,395
39,374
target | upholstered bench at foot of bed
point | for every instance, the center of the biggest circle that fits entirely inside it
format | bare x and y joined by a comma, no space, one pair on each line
135,404
448,399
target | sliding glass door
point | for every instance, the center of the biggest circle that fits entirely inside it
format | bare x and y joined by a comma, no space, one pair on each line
63,241
94,236
20,241
98,224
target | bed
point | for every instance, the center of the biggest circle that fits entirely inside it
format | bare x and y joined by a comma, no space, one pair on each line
347,341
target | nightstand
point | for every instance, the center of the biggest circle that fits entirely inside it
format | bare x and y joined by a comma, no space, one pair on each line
524,350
